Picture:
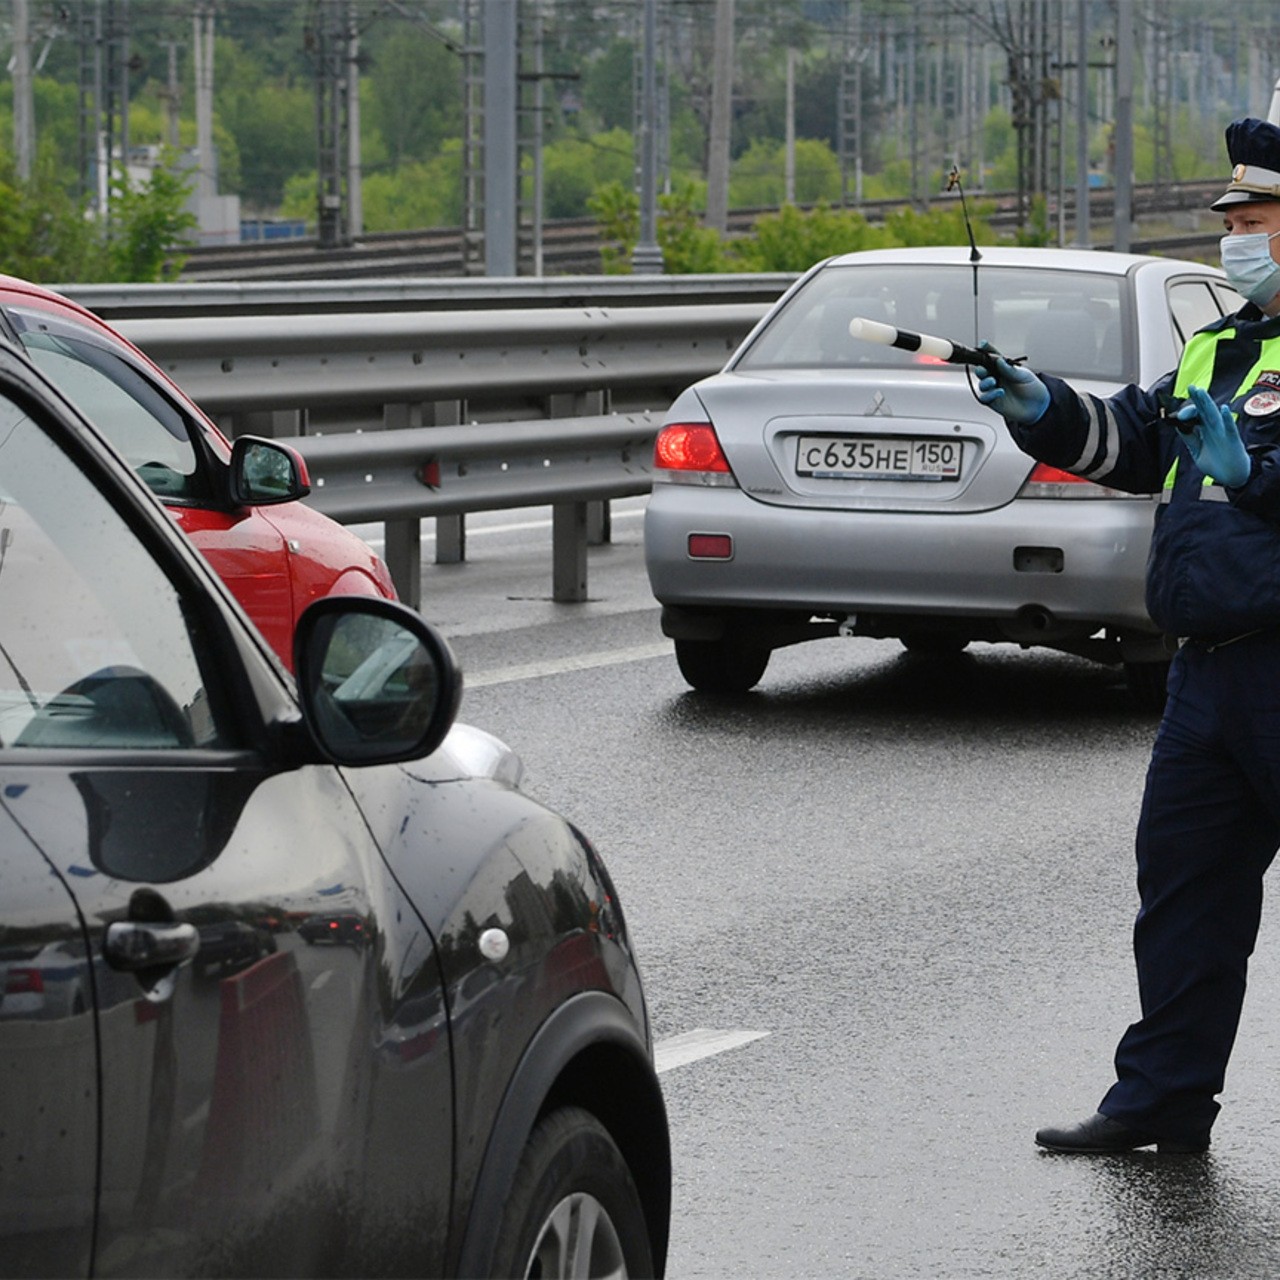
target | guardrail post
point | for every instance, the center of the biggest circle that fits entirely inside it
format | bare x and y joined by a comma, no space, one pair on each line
599,523
579,404
569,552
451,531
275,424
404,559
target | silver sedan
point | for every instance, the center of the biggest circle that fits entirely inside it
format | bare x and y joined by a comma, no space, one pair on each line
824,483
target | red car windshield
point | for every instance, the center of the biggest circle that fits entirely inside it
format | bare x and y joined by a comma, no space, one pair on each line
150,432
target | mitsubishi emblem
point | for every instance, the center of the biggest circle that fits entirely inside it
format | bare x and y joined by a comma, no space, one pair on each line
879,406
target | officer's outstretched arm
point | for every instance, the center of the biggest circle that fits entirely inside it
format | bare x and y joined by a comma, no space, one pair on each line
1213,439
1012,391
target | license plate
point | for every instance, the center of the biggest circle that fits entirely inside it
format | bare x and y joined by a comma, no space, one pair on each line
879,458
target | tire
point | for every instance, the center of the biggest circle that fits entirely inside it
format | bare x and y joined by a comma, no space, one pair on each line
573,1211
721,666
1147,681
938,643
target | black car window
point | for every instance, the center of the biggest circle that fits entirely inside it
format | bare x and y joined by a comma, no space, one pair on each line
95,650
1064,322
146,428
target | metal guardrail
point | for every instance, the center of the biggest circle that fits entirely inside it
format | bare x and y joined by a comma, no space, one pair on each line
403,415
344,365
117,302
402,476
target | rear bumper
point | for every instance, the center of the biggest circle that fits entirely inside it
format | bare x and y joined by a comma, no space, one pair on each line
1077,563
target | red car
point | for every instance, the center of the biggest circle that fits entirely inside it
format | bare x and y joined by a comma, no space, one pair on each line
239,506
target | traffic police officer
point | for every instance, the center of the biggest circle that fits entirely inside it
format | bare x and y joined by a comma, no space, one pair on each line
1207,438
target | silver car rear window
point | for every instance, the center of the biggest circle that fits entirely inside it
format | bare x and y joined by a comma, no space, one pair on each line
1068,323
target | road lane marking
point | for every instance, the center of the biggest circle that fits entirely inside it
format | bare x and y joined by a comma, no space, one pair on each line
574,662
321,979
678,1051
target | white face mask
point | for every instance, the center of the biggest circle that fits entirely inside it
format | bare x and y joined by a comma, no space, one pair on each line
1250,268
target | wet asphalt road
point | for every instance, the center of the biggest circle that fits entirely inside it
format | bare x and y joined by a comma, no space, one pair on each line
916,876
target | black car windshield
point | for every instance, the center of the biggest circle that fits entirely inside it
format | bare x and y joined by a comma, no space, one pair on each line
1065,322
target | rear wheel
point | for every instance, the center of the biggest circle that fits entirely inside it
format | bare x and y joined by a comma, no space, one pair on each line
721,666
934,642
1146,681
573,1212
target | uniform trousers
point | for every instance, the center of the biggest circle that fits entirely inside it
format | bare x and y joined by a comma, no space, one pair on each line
1208,830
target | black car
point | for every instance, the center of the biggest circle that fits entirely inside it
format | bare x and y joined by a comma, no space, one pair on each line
466,1088
341,926
227,946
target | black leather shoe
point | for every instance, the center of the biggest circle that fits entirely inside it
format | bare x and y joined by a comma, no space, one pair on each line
1101,1134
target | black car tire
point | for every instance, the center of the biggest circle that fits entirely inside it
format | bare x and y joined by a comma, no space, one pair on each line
572,1178
721,666
938,643
1147,681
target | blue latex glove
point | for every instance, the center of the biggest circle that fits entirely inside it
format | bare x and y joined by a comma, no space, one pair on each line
1213,439
1012,391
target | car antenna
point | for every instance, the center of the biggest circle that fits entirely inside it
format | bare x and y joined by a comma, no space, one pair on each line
954,184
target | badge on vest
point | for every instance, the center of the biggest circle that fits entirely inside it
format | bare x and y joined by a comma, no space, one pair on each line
1264,399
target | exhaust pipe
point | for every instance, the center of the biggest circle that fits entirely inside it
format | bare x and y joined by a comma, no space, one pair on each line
1032,624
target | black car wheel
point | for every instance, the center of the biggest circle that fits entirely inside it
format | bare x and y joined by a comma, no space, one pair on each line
721,666
573,1212
1146,681
937,643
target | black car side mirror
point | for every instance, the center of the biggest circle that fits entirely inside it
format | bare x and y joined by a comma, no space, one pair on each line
265,472
377,683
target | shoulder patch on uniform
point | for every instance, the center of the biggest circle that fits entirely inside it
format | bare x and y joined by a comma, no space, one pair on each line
1262,404
1268,378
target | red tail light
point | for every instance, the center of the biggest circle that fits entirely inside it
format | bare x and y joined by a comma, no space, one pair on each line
1043,473
689,446
24,982
1051,482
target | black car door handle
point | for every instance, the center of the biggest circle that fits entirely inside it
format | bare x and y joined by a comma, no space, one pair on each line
133,945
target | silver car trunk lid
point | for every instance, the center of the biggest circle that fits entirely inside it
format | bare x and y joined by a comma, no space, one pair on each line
957,454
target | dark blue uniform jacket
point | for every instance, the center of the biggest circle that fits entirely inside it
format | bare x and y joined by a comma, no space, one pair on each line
1214,567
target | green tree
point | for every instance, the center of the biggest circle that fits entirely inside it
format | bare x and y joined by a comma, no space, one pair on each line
411,93
687,246
793,240
608,87
572,168
416,195
148,222
43,234
758,176
270,120
617,211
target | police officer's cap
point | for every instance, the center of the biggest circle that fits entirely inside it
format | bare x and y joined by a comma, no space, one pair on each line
1253,147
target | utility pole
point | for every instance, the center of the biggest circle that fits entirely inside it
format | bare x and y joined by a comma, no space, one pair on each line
24,119
328,41
1124,126
355,192
789,163
721,118
202,51
500,138
1082,124
849,107
172,95
646,258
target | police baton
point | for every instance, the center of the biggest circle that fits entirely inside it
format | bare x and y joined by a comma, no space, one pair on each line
926,344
